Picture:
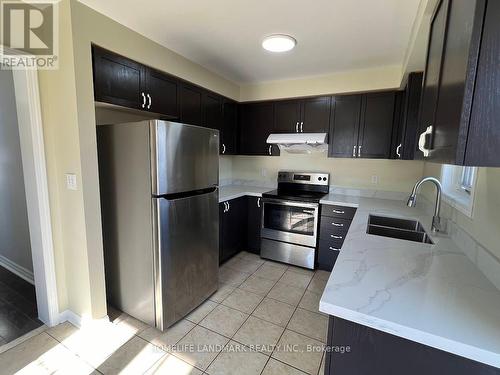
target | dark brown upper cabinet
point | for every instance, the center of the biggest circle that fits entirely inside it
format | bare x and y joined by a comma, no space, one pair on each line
229,131
287,116
213,107
311,115
256,123
432,72
460,99
191,104
362,125
344,125
315,115
118,80
406,125
377,120
123,82
483,141
162,93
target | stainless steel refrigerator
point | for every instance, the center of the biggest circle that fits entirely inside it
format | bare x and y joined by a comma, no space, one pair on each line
159,203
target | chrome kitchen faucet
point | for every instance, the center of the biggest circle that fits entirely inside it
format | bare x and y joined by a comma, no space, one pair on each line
412,200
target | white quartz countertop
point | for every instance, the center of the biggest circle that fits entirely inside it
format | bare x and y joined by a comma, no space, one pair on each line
235,191
431,294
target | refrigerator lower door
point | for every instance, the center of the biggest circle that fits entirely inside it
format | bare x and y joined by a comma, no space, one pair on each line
187,254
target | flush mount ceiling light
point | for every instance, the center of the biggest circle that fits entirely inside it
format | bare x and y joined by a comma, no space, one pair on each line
278,43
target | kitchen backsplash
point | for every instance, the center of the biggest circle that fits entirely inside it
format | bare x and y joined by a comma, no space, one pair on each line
368,174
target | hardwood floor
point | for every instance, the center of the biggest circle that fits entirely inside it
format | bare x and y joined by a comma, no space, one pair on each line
18,311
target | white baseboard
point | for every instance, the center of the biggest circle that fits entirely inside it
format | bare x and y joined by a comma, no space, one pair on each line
70,316
18,270
78,321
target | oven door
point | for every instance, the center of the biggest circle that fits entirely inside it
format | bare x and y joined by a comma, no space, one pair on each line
289,221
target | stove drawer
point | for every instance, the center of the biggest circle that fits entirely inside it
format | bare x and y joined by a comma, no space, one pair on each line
342,212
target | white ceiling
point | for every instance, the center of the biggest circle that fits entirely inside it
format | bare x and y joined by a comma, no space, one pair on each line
225,36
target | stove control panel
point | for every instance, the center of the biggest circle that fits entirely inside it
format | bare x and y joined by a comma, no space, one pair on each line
310,178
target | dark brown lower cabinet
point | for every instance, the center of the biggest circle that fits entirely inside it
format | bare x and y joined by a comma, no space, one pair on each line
232,227
333,226
354,349
239,226
254,223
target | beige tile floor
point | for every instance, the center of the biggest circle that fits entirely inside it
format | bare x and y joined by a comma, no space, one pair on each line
261,321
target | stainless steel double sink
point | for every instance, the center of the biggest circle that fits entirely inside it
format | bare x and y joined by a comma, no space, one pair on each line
403,229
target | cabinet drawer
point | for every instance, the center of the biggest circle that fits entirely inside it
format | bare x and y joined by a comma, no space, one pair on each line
331,243
342,212
333,226
327,257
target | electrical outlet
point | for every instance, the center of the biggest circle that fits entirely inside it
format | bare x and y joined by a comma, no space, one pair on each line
71,181
375,180
263,172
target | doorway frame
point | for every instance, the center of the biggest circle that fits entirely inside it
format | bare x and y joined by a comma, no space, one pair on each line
27,95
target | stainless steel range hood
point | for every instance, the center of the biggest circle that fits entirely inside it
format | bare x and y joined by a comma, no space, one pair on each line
299,143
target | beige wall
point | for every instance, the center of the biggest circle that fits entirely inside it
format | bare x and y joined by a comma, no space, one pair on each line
393,175
383,78
14,230
69,131
484,226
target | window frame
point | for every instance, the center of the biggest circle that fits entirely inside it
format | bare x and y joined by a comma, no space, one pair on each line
459,185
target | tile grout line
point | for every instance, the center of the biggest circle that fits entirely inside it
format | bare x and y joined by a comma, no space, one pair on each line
271,356
84,359
250,314
220,303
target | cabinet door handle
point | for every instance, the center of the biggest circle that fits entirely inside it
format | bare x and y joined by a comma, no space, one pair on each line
334,248
359,151
297,127
270,149
258,202
421,141
223,148
143,100
302,127
228,206
225,206
336,237
337,225
354,151
149,101
398,150
338,212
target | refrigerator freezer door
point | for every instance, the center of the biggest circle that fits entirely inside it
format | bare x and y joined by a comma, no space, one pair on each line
184,157
187,264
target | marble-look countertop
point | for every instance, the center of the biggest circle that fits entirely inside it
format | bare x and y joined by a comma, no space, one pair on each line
431,294
229,192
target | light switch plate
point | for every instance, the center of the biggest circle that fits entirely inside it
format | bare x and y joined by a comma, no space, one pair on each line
71,181
375,180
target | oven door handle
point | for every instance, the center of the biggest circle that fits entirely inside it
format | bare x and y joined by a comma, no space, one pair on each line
290,203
